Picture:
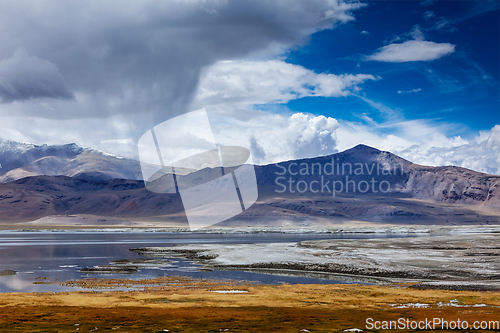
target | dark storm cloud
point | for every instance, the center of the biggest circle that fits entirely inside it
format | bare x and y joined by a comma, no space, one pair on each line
142,57
24,77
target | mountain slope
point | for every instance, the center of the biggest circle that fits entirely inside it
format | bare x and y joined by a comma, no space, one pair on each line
19,160
355,167
35,197
453,185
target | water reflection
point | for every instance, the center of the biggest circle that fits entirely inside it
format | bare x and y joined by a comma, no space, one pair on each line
59,256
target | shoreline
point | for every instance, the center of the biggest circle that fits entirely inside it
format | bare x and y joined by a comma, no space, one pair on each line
334,229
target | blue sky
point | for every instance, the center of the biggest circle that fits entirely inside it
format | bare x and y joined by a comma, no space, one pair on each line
460,88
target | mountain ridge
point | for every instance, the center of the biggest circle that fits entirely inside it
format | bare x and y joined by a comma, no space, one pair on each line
416,194
20,160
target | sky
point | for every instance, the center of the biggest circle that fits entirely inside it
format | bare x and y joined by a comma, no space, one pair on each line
287,79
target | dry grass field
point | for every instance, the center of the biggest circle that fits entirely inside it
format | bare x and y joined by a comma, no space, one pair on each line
180,304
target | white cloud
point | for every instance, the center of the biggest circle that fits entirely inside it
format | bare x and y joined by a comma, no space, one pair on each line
274,138
364,32
227,88
424,143
258,82
483,156
412,50
416,90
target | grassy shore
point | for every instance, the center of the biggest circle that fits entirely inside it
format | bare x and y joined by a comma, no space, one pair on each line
180,304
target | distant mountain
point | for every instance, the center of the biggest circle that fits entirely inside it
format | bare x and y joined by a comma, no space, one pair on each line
370,186
35,197
385,171
20,160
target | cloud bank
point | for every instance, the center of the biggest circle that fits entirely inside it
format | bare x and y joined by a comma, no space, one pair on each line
101,73
482,156
274,138
130,57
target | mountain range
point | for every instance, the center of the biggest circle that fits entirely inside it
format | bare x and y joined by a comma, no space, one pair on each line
371,186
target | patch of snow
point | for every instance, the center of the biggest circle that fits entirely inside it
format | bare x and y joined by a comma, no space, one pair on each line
102,152
456,303
411,305
229,291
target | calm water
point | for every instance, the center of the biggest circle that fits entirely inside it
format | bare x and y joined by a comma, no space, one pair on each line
60,255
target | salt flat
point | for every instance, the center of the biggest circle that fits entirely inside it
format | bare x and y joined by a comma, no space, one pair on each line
465,259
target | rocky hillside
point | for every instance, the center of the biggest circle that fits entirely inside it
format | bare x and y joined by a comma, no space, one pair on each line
453,185
363,170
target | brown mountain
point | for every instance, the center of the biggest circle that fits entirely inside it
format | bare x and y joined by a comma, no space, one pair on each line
370,186
21,160
386,175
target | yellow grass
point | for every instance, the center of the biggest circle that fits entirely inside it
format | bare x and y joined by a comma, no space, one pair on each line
191,305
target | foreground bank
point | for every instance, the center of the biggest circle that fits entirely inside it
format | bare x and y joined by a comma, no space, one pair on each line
193,305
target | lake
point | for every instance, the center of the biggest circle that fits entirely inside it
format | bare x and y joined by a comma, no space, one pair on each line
60,255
